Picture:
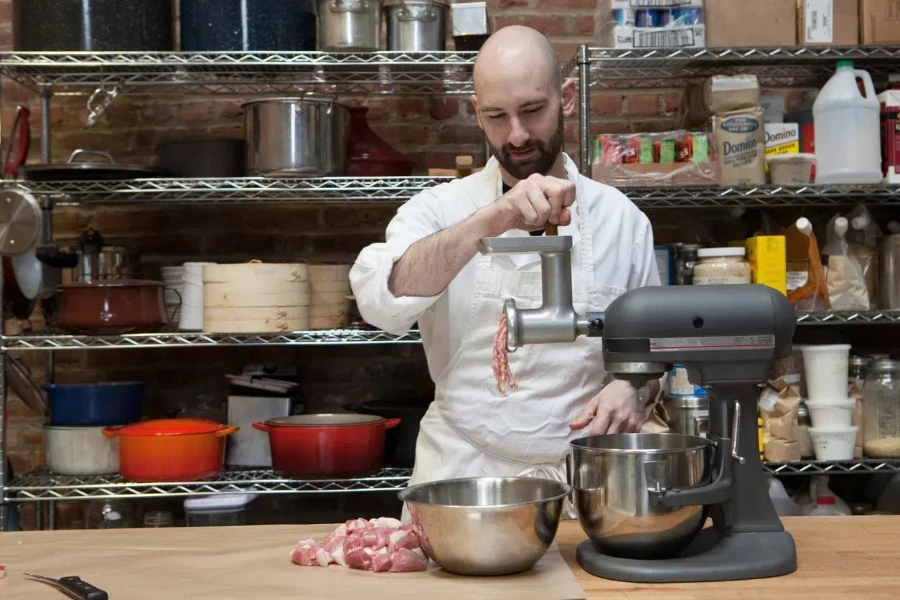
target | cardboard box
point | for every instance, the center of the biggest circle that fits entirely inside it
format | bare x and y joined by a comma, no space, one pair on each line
609,34
736,23
827,22
879,22
782,138
768,266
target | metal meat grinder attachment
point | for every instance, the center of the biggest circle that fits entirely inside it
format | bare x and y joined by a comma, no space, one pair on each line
727,337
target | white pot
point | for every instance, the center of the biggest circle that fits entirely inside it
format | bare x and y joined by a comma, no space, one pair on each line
81,451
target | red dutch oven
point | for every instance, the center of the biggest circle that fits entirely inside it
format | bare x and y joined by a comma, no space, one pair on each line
327,445
171,449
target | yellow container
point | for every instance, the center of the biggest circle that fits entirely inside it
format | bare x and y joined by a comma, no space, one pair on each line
768,260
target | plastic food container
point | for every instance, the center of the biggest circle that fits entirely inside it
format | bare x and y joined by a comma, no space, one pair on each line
831,415
835,443
720,266
218,511
826,370
791,169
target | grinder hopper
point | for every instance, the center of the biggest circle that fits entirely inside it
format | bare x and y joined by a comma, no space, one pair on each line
727,337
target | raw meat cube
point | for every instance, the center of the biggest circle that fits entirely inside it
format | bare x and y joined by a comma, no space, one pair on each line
408,561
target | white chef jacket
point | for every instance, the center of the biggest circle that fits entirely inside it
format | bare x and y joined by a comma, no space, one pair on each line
623,256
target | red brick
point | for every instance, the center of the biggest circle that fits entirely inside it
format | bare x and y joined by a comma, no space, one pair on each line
571,132
376,216
642,104
6,37
566,50
344,245
114,221
554,5
441,108
461,134
671,102
653,126
69,222
494,5
606,103
249,245
582,25
403,133
406,107
549,25
599,127
292,218
6,11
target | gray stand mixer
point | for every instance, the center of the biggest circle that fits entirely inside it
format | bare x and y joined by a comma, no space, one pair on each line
727,337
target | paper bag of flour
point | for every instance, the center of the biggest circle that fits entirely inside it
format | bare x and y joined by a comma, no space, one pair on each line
741,147
779,405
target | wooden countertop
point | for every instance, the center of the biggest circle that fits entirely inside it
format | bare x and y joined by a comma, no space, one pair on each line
840,557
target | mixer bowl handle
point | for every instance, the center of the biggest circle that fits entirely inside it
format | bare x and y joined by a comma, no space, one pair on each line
715,493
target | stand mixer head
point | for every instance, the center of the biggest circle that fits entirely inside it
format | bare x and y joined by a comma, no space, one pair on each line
727,338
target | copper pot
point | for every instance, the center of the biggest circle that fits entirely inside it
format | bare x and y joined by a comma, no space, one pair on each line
112,307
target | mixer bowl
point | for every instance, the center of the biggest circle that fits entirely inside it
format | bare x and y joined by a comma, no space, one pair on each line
486,525
613,475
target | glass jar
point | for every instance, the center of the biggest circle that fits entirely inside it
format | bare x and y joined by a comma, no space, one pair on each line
685,261
859,366
881,410
720,266
807,449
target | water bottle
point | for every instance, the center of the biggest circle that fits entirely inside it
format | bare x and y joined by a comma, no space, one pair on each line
847,129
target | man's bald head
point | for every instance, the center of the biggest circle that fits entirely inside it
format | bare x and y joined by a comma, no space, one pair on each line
513,48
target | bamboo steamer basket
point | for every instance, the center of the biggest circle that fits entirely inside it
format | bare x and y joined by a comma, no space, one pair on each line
271,278
329,310
329,322
329,287
257,313
214,297
257,326
326,273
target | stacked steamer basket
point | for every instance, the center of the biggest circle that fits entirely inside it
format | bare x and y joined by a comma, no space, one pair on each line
256,297
330,303
192,297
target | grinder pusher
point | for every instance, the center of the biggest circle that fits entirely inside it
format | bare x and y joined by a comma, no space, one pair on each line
727,337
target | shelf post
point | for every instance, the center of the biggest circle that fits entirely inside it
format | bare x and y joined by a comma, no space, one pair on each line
584,110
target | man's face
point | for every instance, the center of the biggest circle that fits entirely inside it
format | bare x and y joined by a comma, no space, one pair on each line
535,155
522,117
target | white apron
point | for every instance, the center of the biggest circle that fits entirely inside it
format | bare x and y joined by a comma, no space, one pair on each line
472,430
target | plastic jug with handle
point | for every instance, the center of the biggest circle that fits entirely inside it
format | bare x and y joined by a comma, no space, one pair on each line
847,129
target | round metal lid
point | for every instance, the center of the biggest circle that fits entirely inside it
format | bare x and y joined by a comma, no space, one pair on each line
20,222
884,365
415,3
325,420
292,99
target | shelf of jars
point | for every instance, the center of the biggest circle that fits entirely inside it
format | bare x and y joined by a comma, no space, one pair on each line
333,337
44,485
363,73
795,66
400,189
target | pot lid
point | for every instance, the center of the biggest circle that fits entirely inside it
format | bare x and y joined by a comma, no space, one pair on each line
415,3
688,401
325,420
20,222
171,427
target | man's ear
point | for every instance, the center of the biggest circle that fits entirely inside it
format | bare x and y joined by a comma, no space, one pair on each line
569,97
474,100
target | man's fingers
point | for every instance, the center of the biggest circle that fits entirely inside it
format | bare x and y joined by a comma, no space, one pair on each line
582,420
616,423
600,424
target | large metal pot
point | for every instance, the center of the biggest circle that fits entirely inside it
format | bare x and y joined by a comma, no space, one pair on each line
416,25
92,25
688,415
296,137
349,25
247,25
613,476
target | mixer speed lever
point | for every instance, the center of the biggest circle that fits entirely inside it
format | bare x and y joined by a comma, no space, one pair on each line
734,432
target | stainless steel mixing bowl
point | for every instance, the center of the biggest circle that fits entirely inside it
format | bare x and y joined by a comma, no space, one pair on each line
613,475
486,525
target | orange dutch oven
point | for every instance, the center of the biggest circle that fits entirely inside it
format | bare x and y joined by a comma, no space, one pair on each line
171,449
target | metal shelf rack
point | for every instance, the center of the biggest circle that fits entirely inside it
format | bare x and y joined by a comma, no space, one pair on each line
600,69
862,466
358,190
242,73
43,485
331,337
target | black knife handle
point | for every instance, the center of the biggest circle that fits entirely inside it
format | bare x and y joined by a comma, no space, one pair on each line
81,590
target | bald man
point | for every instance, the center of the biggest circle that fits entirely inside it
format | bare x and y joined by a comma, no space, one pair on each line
429,270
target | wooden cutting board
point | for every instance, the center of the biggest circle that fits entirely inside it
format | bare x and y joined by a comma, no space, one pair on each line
242,562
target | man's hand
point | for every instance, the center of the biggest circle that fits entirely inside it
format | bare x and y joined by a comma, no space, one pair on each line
618,408
534,202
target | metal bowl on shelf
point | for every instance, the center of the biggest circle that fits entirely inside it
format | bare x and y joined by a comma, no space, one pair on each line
486,526
613,476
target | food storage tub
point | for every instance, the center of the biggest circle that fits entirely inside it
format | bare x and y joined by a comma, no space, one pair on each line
720,266
218,511
881,410
834,443
826,368
791,169
831,415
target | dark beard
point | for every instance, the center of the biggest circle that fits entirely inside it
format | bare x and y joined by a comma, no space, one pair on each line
541,163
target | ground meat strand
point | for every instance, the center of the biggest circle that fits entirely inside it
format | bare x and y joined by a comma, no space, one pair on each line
501,361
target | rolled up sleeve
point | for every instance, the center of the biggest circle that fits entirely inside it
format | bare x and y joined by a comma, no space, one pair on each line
372,269
644,271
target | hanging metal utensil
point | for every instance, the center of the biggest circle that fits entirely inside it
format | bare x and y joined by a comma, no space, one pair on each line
21,140
22,384
20,222
95,108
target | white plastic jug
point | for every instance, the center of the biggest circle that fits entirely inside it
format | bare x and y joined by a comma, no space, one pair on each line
848,134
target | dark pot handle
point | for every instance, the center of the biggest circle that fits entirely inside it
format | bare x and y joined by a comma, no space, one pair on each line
51,256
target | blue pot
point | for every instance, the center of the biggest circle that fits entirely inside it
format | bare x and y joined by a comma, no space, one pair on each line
92,404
